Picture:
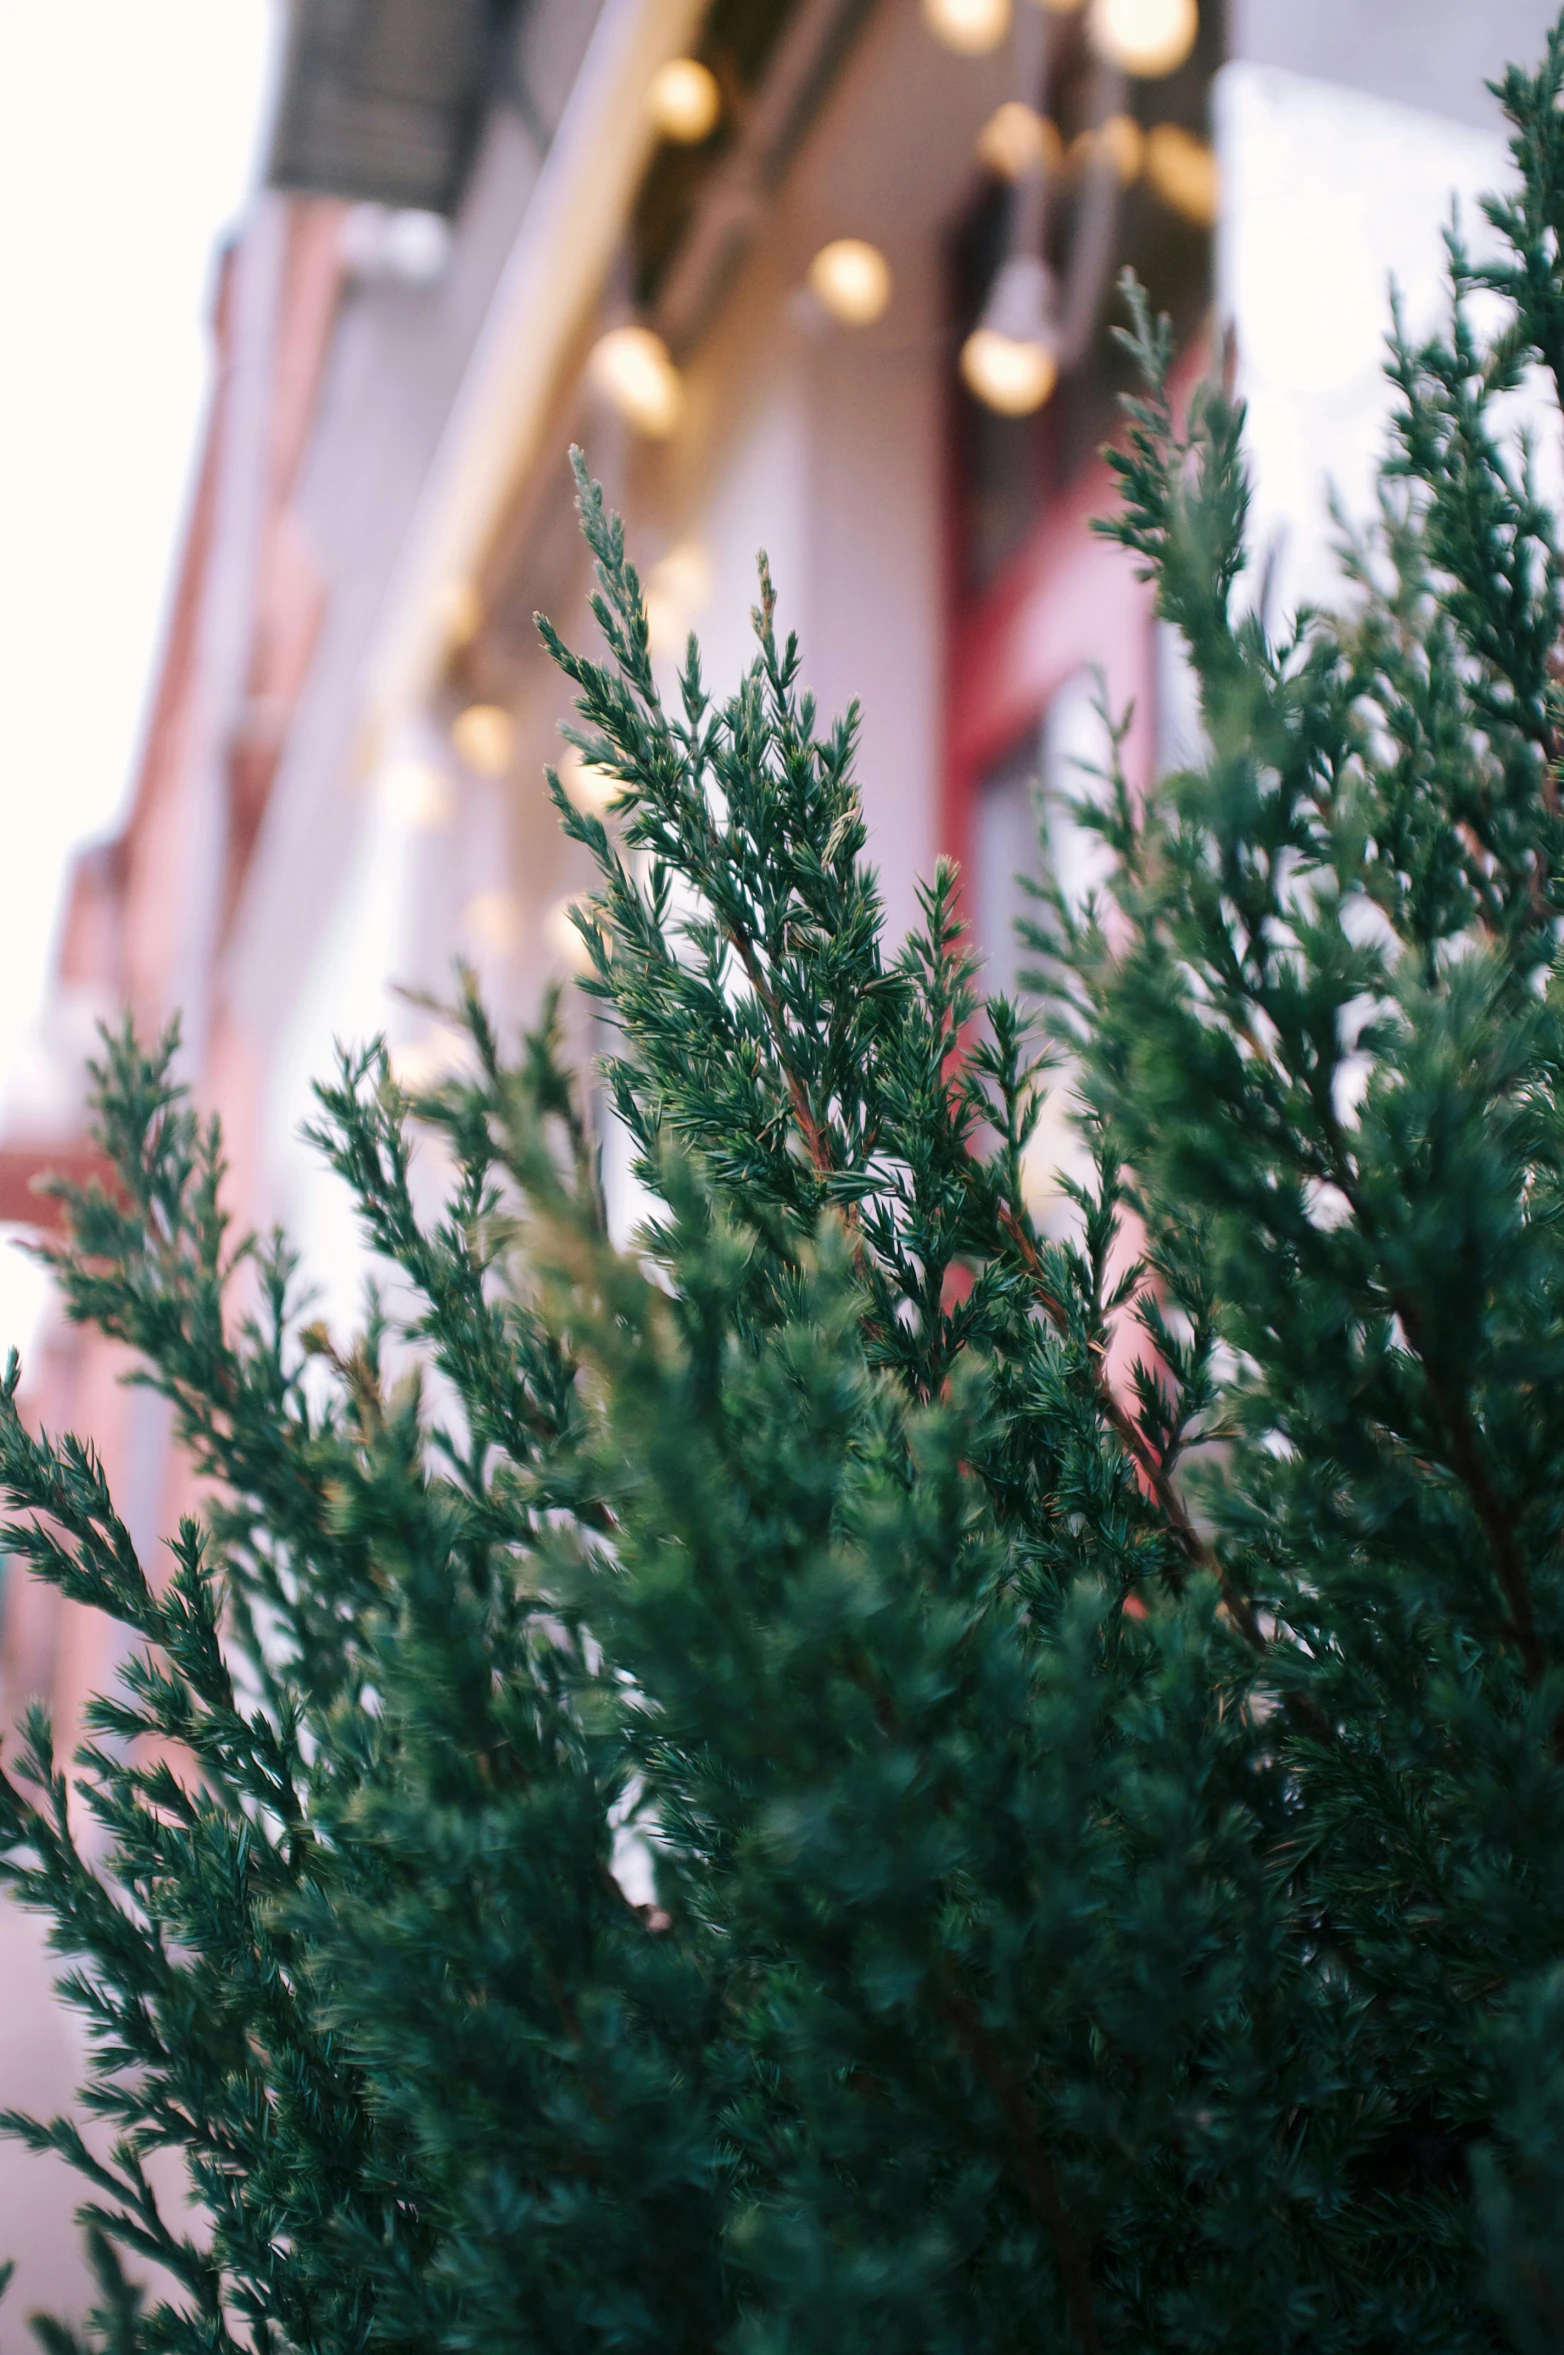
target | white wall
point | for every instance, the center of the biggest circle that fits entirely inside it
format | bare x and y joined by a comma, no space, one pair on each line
1329,194
1431,54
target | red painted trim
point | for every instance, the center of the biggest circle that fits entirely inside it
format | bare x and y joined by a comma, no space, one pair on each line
1068,600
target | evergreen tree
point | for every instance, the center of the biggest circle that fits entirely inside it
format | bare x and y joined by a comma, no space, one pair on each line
1106,1835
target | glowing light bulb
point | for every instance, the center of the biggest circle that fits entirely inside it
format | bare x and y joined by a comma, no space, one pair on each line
493,920
415,794
1016,139
484,736
1009,360
969,26
631,368
1144,37
1183,171
1120,139
684,101
852,280
683,576
1008,375
564,938
588,786
420,1064
461,613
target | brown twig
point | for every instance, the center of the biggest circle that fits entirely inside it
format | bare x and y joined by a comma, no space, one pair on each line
803,1111
1496,1522
1033,2164
1462,1440
1153,1470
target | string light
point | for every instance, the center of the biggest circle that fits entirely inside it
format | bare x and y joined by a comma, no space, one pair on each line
1009,360
564,938
631,368
1016,140
1144,37
1120,138
676,590
461,613
1183,171
416,794
684,101
493,920
422,1063
588,786
968,26
852,280
683,576
484,736
1011,377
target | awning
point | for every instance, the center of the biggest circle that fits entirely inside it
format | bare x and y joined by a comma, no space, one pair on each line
382,100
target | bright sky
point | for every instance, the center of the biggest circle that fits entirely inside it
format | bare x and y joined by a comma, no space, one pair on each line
128,137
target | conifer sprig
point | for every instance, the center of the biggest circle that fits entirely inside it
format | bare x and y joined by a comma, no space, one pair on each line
765,1793
738,940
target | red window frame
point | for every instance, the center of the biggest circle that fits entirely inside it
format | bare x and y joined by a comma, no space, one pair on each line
1066,602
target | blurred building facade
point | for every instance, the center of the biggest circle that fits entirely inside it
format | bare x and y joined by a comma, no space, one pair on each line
843,293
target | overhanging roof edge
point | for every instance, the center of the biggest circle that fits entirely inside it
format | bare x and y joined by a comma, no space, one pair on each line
561,256
381,100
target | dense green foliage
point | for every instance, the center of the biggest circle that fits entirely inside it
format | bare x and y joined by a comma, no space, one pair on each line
1107,1826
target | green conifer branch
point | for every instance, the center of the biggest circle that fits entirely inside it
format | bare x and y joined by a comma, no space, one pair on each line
742,1795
